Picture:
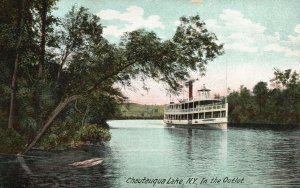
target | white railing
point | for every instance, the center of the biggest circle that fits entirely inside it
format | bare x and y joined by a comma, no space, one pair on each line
199,108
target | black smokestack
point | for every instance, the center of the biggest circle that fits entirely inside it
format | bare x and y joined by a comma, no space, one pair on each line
190,89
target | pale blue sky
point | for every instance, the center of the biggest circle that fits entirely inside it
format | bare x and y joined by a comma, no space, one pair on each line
258,35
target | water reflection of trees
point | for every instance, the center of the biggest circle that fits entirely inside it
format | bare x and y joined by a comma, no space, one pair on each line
11,175
285,153
54,171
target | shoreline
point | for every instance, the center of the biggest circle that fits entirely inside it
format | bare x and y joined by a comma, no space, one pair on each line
264,126
230,125
136,118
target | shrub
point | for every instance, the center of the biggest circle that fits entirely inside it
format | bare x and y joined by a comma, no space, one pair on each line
68,135
11,141
93,133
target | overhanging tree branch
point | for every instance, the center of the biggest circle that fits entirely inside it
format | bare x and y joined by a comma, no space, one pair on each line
50,118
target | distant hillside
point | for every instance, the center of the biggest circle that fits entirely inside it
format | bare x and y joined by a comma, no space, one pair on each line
140,111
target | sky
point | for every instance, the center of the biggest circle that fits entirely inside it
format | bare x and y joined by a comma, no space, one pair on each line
258,36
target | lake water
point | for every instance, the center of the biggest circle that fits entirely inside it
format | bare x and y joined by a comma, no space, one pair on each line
142,153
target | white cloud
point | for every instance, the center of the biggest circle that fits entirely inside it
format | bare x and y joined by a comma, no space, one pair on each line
236,31
297,28
235,21
287,47
295,39
240,46
272,39
211,24
109,14
134,19
113,30
177,23
240,42
241,37
282,49
239,33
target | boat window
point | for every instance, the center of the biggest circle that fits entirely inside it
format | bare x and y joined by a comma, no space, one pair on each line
201,116
216,114
195,116
223,114
208,115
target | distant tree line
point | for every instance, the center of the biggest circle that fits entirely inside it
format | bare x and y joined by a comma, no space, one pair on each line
59,76
278,104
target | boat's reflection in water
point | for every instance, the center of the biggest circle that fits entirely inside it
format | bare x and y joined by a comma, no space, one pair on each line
204,149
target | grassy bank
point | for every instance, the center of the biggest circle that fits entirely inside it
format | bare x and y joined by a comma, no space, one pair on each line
140,111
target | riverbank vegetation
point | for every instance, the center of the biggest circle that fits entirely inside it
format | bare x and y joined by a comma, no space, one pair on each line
277,104
60,77
139,111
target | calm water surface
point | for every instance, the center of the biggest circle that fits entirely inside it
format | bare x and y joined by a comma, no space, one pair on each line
145,149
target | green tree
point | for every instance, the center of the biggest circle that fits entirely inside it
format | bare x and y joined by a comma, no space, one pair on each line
260,91
64,72
96,65
289,83
78,27
285,78
234,107
241,106
280,105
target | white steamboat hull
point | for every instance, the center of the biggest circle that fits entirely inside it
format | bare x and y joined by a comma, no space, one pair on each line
213,123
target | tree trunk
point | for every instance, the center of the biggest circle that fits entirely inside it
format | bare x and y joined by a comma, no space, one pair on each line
14,77
62,63
13,95
50,118
84,116
36,93
43,15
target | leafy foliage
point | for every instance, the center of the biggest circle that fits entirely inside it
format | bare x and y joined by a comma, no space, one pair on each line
280,105
171,61
93,133
69,134
11,141
68,74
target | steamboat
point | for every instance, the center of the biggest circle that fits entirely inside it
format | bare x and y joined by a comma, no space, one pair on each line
201,111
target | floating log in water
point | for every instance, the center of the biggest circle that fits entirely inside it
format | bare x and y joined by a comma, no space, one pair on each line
23,164
87,163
